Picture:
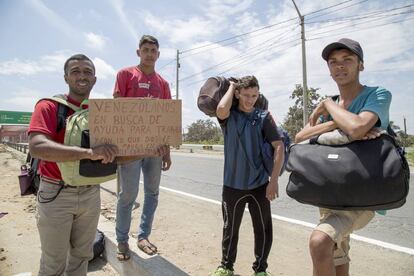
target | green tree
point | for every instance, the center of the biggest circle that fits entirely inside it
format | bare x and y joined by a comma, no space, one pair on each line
205,131
404,140
293,122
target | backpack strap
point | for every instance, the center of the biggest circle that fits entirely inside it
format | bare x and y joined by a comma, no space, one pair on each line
63,99
61,116
63,109
391,132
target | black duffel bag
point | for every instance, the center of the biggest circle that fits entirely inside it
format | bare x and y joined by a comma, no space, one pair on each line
362,175
214,89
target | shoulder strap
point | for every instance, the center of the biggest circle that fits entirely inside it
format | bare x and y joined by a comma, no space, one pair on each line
63,108
61,116
239,140
391,131
63,99
265,113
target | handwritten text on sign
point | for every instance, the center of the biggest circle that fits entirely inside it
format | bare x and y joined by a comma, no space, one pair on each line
136,126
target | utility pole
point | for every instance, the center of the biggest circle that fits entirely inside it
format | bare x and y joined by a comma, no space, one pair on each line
405,125
177,74
304,81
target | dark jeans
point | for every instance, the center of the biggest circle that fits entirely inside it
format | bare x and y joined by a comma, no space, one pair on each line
233,204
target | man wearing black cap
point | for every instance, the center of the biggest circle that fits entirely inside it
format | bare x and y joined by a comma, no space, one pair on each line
360,111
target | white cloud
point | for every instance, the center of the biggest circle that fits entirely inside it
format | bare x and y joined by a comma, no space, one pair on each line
168,53
23,99
103,69
16,66
53,18
180,30
127,24
220,10
279,68
388,49
101,95
50,64
95,41
46,64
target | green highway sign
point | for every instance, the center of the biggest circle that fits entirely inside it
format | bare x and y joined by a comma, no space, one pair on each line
14,117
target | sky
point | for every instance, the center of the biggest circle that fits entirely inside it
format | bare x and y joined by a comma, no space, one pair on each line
213,37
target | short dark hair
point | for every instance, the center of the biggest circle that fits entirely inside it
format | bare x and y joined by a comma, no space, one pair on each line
148,39
76,57
248,82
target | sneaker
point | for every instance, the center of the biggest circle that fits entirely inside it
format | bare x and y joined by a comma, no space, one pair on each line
263,273
221,271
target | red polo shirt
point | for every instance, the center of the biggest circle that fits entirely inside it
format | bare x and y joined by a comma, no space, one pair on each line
44,120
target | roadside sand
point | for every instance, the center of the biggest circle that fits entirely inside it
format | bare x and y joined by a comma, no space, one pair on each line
19,239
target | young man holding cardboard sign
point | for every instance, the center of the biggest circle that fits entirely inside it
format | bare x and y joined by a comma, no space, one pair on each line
67,213
140,81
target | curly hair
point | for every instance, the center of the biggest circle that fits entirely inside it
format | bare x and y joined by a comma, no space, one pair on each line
248,82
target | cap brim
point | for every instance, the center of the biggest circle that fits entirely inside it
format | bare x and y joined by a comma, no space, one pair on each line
333,46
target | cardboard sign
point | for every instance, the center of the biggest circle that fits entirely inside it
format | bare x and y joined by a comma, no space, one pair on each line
136,125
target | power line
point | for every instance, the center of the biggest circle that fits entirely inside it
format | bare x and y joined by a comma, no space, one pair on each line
246,53
234,59
361,29
236,41
240,58
347,26
250,60
262,28
236,36
255,59
362,16
342,8
245,57
265,27
165,65
323,9
364,20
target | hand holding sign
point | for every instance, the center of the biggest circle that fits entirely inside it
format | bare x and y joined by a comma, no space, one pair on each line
139,127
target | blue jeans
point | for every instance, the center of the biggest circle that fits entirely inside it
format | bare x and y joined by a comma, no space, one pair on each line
128,179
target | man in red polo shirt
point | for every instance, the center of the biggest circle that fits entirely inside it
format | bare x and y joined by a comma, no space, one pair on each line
67,216
143,82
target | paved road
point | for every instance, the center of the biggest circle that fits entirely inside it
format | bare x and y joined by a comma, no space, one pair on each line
202,175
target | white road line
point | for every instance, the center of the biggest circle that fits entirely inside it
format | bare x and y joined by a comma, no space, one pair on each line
387,245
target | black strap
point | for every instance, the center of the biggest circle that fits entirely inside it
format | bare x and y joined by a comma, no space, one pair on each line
42,199
391,131
61,116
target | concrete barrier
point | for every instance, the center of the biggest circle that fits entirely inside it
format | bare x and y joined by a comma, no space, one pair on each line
204,147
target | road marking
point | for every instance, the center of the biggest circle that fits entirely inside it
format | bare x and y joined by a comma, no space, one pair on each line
387,245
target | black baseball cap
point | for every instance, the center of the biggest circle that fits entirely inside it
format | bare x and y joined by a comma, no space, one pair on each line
343,43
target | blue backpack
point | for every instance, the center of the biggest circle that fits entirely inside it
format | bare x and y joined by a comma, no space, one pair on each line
268,151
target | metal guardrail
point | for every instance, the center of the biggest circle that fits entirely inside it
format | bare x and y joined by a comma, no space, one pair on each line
204,147
23,147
